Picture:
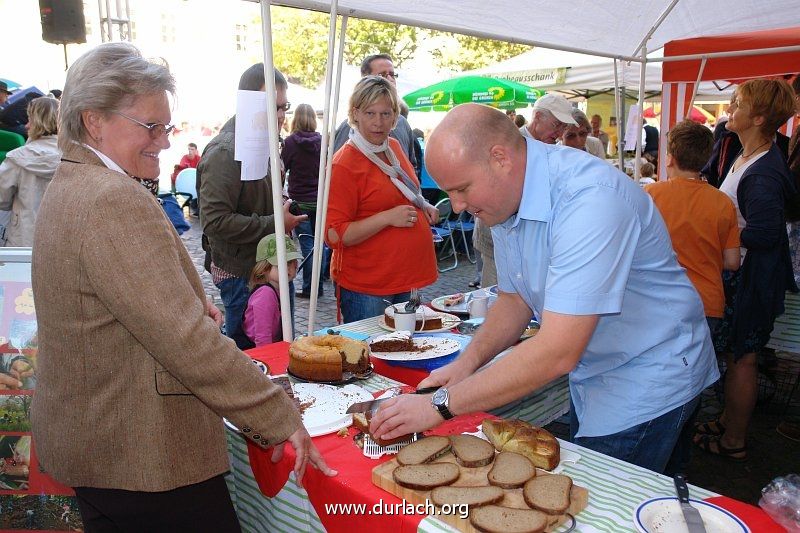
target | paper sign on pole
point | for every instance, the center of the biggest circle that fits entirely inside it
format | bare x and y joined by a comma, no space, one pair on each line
252,134
633,127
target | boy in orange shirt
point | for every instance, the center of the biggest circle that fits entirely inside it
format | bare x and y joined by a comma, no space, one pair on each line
703,227
701,220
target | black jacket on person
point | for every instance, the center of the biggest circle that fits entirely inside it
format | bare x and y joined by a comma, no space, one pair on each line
767,267
726,149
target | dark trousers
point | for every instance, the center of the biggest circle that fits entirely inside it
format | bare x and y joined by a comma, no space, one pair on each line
202,507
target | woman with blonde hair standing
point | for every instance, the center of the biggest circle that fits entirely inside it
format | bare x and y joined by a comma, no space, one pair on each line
378,223
26,172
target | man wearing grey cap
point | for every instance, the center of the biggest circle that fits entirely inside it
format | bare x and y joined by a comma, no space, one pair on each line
552,114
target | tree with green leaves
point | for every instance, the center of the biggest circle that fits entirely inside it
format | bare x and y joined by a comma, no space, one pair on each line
300,44
469,53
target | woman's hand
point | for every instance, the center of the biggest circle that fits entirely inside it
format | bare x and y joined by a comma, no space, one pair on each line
402,216
431,213
305,452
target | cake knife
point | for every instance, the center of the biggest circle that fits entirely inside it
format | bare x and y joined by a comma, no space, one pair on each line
372,405
693,519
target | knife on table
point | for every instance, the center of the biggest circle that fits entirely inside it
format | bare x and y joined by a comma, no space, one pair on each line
693,519
372,405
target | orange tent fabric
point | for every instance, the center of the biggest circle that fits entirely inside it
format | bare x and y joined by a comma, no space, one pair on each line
733,68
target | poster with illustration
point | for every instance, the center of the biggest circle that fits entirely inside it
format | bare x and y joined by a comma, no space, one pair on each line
42,512
18,336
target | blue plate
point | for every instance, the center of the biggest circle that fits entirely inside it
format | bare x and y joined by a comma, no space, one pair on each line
436,362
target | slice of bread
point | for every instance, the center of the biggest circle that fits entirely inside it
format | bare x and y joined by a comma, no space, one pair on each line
426,476
511,470
471,451
361,423
472,496
424,450
548,493
496,519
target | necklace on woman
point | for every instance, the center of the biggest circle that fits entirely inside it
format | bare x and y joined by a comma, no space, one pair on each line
745,156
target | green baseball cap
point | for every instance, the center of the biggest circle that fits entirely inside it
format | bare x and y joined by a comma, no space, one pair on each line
267,249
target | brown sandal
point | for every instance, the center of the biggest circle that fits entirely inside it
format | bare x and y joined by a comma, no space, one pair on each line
711,444
712,427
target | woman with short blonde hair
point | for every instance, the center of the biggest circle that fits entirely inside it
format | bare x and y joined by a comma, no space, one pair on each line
378,225
26,172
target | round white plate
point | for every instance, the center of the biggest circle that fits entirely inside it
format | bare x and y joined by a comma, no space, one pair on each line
448,322
326,412
439,347
664,515
461,307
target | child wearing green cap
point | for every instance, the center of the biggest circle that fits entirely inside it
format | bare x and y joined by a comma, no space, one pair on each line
261,322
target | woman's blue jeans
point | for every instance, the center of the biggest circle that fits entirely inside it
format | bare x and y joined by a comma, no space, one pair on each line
358,306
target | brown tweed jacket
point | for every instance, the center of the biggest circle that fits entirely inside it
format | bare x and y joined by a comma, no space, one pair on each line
133,376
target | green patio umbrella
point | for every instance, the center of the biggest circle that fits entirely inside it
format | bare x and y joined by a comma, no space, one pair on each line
443,96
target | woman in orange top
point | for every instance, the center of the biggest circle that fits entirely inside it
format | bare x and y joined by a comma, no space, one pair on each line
378,223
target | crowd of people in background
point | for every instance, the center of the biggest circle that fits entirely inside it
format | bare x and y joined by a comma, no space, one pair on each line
711,236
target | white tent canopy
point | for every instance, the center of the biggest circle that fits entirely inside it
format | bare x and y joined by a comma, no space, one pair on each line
600,27
582,74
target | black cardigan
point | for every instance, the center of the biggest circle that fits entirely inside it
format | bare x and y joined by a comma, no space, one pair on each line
767,268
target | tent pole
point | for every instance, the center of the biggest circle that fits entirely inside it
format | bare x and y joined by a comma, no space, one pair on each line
326,152
654,27
697,83
637,167
275,169
618,104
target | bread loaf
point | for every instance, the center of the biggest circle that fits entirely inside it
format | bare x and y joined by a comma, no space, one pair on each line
426,476
496,519
472,496
361,423
511,470
548,493
471,451
424,450
535,443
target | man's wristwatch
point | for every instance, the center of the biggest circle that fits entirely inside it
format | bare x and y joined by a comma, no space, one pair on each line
441,402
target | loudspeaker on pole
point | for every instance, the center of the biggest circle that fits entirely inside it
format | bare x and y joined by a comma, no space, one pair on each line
63,21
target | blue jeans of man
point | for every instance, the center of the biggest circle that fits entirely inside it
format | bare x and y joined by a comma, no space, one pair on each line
306,247
650,444
358,306
235,293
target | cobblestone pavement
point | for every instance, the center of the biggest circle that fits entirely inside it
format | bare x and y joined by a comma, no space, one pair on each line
769,454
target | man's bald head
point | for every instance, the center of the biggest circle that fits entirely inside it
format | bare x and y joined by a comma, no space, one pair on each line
468,132
474,153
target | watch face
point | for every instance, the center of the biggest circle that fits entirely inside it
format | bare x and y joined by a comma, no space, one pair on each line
439,397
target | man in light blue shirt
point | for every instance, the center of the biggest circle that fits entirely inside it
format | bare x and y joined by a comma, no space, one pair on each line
580,244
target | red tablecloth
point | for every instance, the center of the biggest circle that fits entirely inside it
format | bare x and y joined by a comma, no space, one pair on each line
757,520
353,484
